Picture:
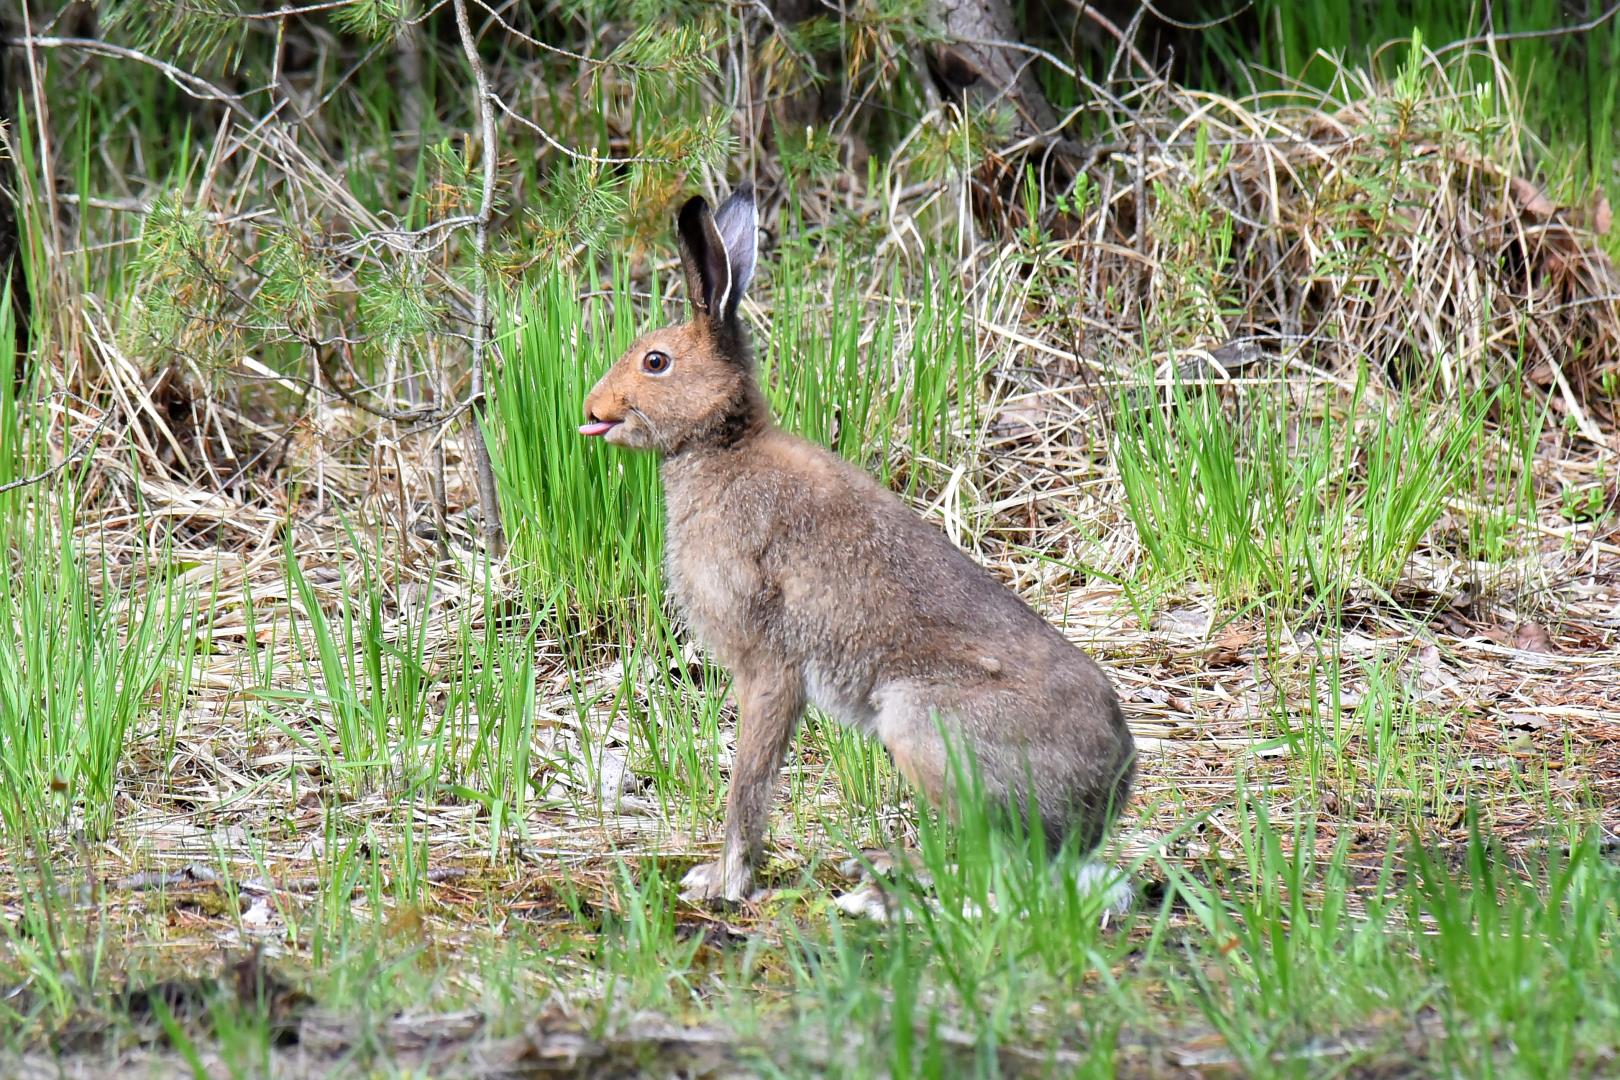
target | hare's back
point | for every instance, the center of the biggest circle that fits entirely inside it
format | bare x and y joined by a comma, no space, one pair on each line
852,560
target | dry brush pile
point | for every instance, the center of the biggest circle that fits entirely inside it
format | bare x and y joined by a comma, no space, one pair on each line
1400,224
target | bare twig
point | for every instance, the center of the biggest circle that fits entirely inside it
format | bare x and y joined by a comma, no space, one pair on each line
529,39
78,451
1526,35
194,85
490,519
1089,11
577,155
399,416
327,5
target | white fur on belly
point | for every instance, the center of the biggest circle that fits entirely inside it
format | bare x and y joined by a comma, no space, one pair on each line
844,704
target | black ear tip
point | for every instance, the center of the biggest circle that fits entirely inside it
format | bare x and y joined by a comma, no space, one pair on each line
744,190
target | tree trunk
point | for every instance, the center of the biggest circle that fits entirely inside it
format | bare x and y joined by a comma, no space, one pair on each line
983,62
11,253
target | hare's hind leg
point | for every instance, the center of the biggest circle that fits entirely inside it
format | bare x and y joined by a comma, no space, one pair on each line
944,739
911,724
989,744
770,700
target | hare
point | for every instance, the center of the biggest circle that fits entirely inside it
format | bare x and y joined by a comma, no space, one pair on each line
811,583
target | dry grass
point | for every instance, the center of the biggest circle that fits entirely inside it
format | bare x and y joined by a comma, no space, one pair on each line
1399,225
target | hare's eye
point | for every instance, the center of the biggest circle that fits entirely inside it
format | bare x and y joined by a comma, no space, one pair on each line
656,363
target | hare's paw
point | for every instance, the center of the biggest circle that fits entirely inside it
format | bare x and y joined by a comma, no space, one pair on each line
702,882
874,895
722,880
867,900
1110,885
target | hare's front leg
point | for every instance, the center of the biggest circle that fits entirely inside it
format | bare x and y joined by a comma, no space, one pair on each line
770,700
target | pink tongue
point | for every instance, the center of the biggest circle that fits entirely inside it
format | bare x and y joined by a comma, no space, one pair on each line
597,427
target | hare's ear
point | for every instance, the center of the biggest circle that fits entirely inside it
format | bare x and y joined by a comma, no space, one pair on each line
703,256
738,222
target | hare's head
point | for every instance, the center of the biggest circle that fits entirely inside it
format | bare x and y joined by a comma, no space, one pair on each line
692,384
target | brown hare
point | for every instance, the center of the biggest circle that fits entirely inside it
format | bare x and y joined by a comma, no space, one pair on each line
812,583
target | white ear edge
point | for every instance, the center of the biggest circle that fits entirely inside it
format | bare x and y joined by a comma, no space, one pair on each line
737,222
724,296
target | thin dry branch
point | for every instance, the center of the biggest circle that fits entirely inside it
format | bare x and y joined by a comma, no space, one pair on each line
1493,38
490,521
79,450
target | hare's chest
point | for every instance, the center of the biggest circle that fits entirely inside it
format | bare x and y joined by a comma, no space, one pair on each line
715,586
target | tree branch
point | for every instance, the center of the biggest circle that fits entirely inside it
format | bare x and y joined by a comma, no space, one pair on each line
490,520
73,455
